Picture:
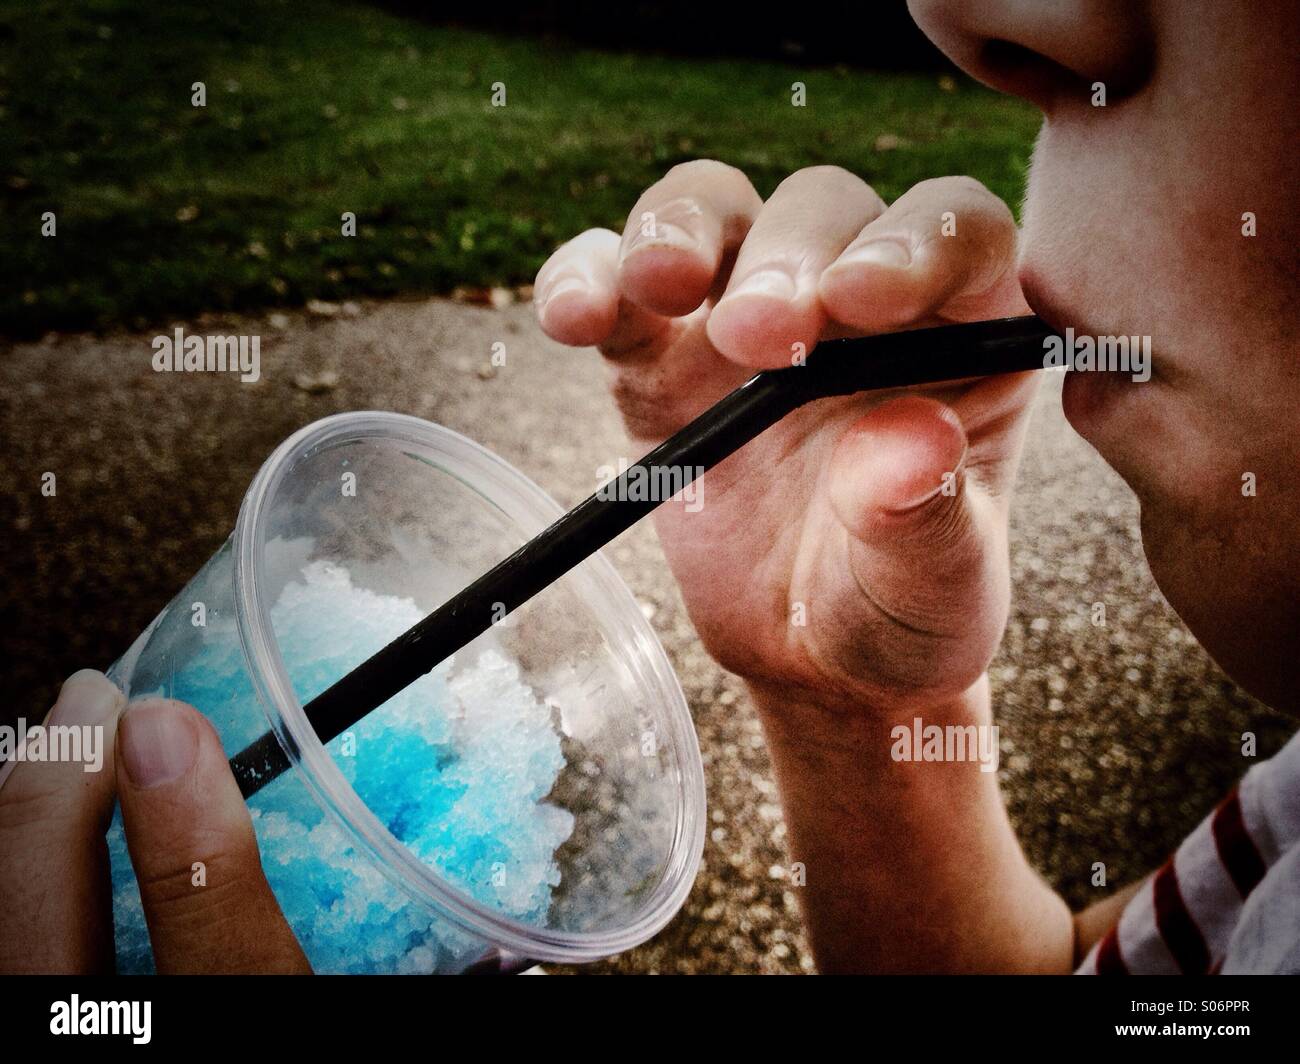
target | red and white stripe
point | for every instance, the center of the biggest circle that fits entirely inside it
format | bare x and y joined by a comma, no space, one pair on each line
1183,917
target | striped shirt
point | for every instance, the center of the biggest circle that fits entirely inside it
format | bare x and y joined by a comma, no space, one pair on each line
1229,898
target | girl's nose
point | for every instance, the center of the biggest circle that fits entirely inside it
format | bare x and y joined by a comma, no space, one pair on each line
1047,51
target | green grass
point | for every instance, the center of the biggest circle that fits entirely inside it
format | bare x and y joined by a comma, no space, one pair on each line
305,120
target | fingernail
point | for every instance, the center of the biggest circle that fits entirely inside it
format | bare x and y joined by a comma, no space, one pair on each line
158,743
881,253
87,697
562,287
776,283
660,234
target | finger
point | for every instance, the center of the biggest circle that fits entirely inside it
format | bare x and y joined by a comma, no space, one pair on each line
923,542
56,915
771,302
681,234
578,300
182,809
946,248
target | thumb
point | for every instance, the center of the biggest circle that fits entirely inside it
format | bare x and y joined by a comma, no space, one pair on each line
182,808
925,545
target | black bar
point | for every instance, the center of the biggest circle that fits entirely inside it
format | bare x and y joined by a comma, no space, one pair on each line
1250,1018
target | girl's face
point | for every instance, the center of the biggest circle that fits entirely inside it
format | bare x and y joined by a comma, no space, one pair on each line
1171,212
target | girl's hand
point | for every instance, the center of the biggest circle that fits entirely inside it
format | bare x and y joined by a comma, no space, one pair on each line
855,554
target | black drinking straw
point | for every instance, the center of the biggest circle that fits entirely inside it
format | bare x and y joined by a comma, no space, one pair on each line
836,367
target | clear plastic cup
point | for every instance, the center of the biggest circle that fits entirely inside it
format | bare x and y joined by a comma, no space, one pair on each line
541,798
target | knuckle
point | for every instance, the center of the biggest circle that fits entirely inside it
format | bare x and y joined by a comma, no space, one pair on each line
950,183
827,177
40,803
657,396
593,239
171,896
824,173
588,246
711,177
710,170
643,397
970,196
586,243
983,246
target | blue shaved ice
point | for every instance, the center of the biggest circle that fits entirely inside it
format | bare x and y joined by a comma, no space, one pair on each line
458,767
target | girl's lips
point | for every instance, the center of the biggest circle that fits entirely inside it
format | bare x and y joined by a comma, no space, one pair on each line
1087,399
1042,299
